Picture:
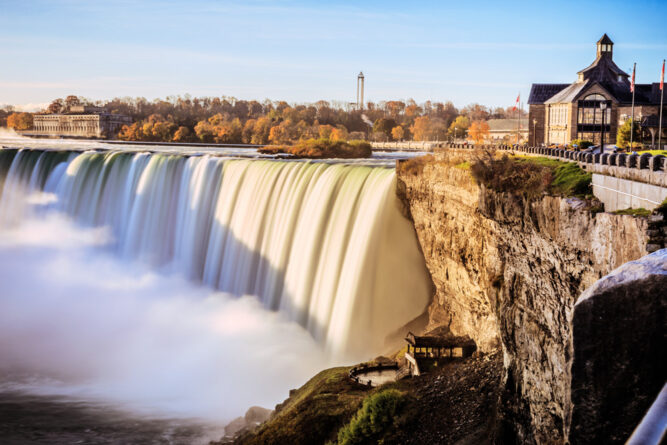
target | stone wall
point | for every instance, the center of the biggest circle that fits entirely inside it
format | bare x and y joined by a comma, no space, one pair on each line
508,271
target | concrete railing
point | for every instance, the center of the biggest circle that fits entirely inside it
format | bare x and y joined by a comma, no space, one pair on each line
358,370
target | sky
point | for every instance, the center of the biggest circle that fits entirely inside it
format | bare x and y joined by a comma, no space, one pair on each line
302,51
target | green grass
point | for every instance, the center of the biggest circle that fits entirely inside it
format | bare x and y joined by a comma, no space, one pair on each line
633,212
465,165
313,413
568,178
653,152
379,411
532,176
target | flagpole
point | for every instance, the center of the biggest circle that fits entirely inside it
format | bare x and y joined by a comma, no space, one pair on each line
632,122
662,94
518,119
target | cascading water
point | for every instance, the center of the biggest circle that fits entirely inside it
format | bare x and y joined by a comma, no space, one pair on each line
324,243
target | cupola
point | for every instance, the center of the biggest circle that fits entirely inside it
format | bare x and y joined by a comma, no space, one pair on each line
605,47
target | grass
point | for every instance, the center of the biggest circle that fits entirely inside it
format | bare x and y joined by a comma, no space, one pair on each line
313,413
531,176
634,212
653,152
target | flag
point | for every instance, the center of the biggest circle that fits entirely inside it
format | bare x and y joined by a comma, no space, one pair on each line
632,85
662,76
517,102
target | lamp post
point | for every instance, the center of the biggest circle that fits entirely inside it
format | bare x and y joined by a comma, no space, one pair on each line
534,133
603,108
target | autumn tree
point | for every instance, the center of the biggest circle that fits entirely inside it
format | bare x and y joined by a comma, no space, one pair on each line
383,127
479,131
71,101
459,128
55,107
20,121
420,128
397,133
183,134
339,134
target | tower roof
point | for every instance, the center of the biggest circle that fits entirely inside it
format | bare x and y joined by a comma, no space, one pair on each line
605,40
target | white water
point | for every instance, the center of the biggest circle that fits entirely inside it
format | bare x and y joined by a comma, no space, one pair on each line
323,245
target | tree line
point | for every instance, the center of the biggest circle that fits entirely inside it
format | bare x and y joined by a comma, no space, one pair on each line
230,120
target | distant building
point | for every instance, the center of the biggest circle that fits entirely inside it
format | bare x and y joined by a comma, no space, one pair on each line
79,121
560,113
505,130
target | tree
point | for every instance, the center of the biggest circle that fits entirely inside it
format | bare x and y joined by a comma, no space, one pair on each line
182,135
479,130
383,127
623,134
339,134
56,106
420,128
20,121
397,133
71,101
459,128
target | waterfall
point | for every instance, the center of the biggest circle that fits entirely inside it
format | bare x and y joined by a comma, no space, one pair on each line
324,243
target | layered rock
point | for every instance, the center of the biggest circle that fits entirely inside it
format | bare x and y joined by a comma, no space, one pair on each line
508,271
619,350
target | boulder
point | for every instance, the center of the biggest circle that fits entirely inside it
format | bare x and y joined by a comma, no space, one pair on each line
619,343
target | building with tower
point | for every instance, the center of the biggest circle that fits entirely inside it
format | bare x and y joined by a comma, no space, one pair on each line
594,106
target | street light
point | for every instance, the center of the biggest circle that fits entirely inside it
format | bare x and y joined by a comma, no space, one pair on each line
603,108
534,133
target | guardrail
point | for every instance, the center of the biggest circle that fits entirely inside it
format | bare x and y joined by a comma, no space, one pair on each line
364,369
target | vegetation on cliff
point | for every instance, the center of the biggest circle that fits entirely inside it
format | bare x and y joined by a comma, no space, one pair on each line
455,402
313,413
322,148
378,412
531,176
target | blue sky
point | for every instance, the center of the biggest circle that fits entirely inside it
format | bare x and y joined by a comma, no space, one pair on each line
300,51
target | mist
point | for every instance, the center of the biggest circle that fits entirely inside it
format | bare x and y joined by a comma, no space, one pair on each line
77,322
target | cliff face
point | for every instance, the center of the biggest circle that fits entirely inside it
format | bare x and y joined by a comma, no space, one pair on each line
508,271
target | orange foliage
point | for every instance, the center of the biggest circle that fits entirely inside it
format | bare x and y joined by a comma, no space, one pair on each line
20,121
478,131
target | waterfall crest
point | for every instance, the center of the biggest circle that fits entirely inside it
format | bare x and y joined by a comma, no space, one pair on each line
324,243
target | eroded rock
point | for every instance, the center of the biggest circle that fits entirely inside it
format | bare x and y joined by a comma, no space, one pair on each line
619,345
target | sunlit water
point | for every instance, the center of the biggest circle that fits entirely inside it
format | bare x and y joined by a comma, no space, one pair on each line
173,287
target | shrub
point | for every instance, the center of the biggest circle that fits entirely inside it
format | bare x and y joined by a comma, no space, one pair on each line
508,175
375,415
415,166
531,176
323,148
581,143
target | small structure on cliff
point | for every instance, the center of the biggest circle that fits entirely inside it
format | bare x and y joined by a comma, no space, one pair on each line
430,351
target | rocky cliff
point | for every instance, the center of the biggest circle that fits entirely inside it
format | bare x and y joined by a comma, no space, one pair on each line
508,272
